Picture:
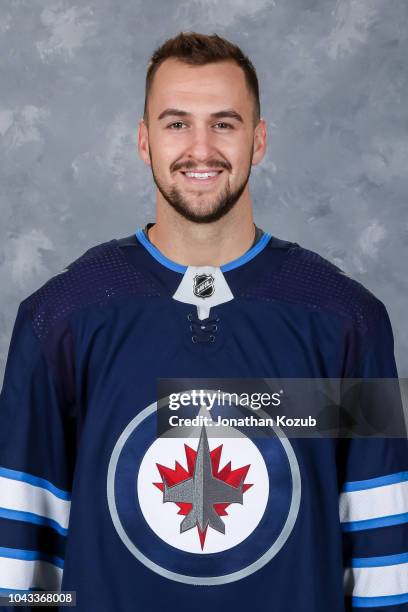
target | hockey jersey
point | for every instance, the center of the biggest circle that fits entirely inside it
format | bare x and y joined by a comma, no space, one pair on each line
92,500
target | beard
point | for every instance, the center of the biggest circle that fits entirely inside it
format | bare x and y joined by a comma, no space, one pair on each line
220,206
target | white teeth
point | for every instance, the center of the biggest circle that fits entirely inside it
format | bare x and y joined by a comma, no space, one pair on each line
201,175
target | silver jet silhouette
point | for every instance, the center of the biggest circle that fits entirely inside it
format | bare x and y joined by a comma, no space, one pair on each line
203,490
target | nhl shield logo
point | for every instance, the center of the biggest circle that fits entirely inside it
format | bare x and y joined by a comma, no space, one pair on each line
202,510
203,285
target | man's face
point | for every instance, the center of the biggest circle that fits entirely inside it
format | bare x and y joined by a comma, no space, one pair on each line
200,122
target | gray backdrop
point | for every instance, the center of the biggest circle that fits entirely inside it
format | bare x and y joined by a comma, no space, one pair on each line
334,93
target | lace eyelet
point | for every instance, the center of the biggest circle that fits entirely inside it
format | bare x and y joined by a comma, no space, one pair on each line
190,316
215,327
194,339
212,338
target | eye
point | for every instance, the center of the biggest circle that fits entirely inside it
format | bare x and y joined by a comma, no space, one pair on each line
178,123
227,125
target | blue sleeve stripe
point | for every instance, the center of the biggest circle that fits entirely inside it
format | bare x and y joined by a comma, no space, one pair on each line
30,555
6,591
29,517
383,521
35,481
376,602
371,483
379,561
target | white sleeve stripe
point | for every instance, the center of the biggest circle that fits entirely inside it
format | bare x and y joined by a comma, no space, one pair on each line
376,581
30,555
18,496
36,481
374,503
35,574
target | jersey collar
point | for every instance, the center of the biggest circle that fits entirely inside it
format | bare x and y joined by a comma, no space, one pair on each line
172,265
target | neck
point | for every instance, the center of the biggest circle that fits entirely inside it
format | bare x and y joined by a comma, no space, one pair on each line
201,244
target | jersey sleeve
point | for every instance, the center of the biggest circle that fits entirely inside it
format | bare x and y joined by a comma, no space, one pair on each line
36,462
374,499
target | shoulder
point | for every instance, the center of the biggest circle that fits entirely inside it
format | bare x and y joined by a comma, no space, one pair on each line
306,278
99,275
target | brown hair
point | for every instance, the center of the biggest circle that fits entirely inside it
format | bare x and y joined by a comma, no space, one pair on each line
199,49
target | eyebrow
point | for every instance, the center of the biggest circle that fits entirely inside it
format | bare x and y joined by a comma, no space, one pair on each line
175,112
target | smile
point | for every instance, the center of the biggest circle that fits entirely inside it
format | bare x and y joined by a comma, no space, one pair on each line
202,177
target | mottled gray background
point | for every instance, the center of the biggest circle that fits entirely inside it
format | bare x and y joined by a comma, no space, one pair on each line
334,93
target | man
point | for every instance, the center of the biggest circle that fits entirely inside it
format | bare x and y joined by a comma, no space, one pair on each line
92,499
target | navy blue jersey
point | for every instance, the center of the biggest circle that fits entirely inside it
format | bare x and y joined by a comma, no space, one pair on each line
88,495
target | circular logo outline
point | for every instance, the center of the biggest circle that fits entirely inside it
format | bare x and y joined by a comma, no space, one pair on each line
202,580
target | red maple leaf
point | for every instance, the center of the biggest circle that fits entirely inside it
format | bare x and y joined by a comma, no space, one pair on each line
179,473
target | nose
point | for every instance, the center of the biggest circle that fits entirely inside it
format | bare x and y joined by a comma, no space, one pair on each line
201,146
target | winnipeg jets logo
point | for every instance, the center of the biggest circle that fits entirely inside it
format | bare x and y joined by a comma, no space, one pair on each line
181,505
202,492
203,285
203,495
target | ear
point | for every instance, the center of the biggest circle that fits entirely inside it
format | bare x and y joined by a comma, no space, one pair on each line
143,142
259,142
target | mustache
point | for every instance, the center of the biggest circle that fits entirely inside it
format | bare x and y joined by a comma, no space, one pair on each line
189,165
